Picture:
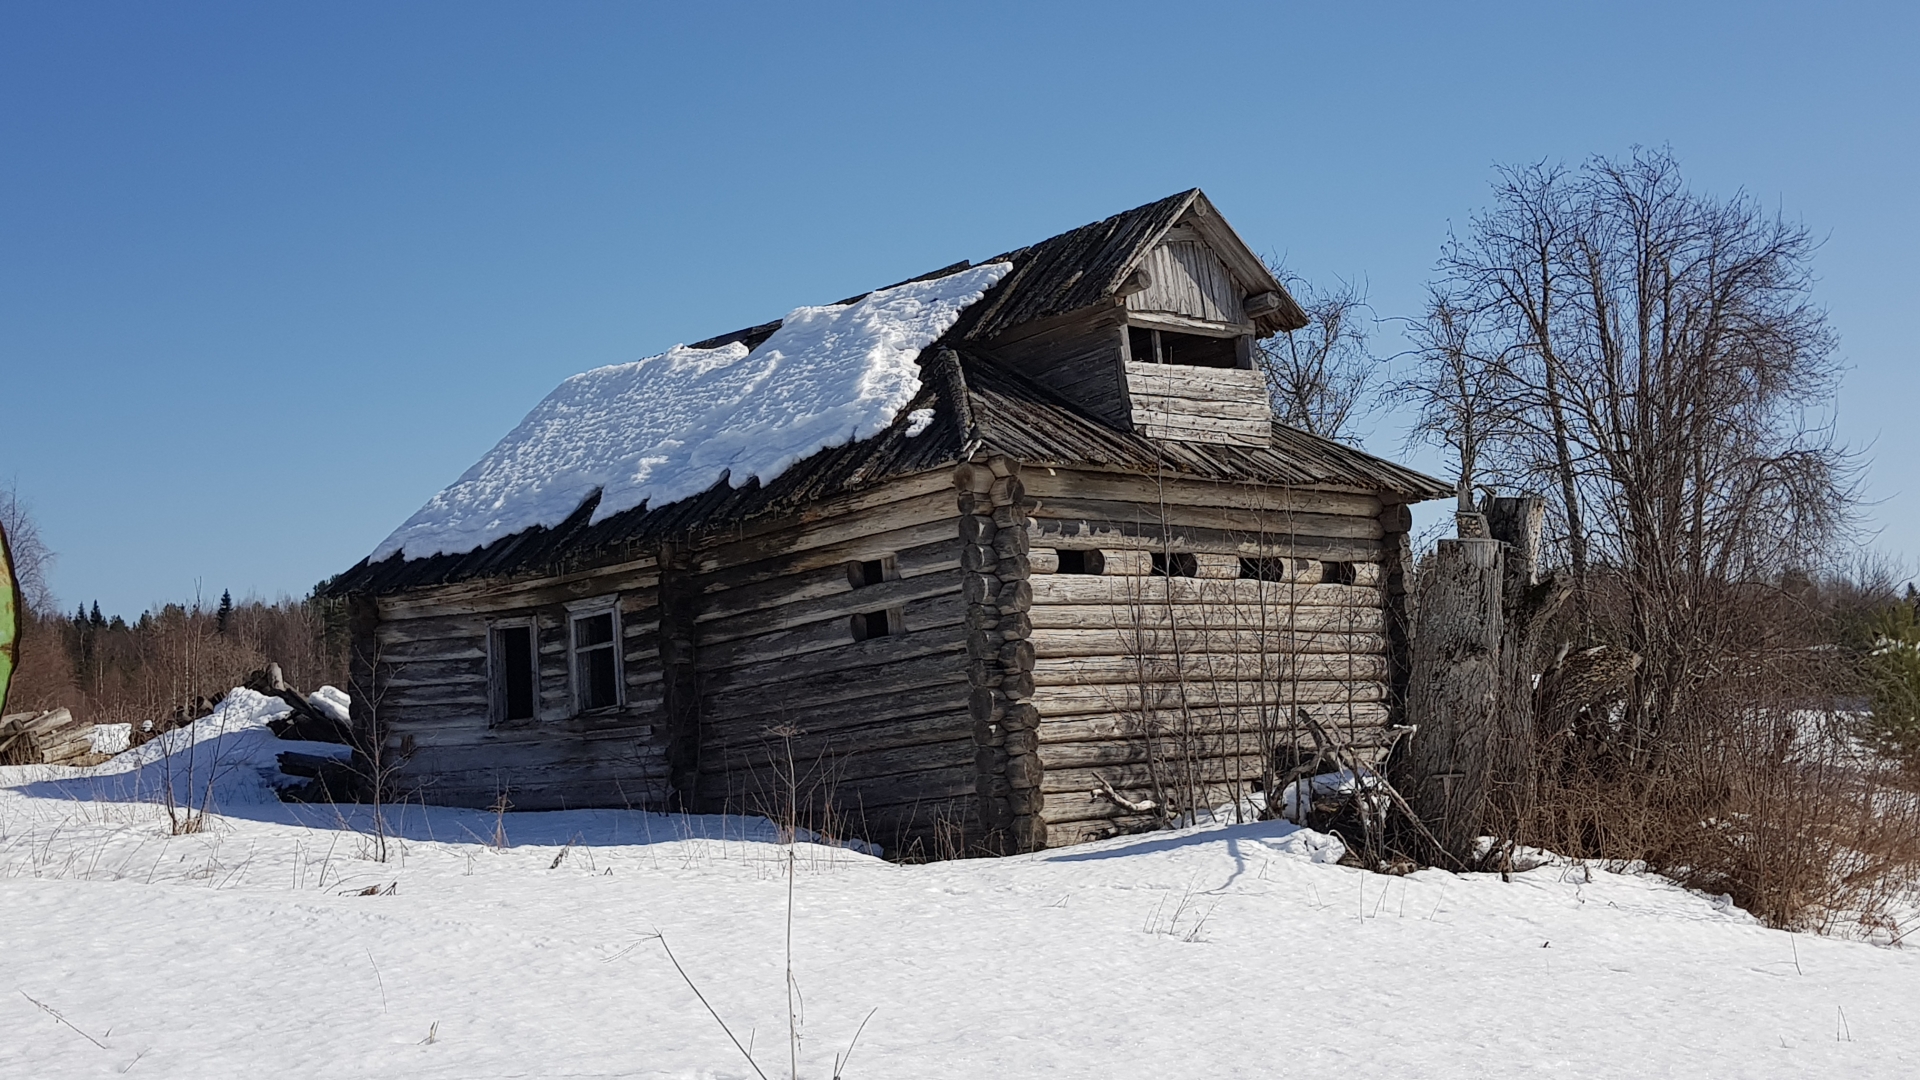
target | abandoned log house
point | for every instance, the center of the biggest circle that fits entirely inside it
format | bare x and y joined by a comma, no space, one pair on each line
1009,556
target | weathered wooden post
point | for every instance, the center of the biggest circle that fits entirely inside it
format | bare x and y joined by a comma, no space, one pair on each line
1470,765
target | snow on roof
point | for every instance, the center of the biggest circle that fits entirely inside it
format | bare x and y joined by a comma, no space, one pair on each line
662,429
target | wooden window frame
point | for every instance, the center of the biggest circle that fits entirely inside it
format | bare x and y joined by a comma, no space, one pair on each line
496,669
586,609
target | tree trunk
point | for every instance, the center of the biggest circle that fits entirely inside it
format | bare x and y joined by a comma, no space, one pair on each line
1469,769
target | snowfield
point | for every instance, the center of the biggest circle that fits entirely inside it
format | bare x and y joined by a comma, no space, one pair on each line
272,944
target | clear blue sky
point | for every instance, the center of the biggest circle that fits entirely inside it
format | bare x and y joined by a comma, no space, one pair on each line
272,274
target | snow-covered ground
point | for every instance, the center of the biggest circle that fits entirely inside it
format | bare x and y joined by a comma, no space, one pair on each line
272,944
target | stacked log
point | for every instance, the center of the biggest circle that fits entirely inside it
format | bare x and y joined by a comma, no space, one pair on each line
993,524
53,737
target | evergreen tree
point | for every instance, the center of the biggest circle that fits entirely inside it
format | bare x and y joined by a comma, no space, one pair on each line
96,619
223,616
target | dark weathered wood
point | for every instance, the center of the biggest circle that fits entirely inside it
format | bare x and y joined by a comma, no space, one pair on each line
834,606
801,695
1461,751
636,578
721,599
935,616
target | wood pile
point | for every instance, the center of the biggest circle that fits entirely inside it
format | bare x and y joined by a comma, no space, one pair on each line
53,737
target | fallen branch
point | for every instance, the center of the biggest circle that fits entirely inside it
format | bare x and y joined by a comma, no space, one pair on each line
55,1013
1141,806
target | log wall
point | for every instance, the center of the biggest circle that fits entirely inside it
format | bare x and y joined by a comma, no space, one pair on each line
877,729
1007,698
426,657
1179,690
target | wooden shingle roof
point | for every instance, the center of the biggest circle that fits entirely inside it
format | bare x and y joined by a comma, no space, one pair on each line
979,406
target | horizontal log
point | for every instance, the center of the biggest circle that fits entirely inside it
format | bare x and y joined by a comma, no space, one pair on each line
871,502
562,787
421,714
1126,698
1266,501
933,511
1155,620
938,617
838,734
1245,594
1127,779
616,733
451,629
1206,667
1129,534
641,755
495,594
837,606
1054,643
754,711
1197,382
837,686
433,649
856,801
1090,814
465,671
1254,524
763,766
1360,724
875,654
719,602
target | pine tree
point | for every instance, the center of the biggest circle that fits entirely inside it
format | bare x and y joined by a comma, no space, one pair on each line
96,619
223,616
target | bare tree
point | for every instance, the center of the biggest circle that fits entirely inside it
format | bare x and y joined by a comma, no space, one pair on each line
31,556
1654,362
1649,360
1463,400
1321,377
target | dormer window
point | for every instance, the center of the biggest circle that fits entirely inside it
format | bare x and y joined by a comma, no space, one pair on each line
1150,345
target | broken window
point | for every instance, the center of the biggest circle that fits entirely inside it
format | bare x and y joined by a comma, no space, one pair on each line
513,674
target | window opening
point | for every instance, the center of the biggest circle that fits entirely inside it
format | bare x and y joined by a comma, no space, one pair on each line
596,664
513,673
1175,564
866,573
1337,573
1082,561
1151,346
862,573
1272,568
873,624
